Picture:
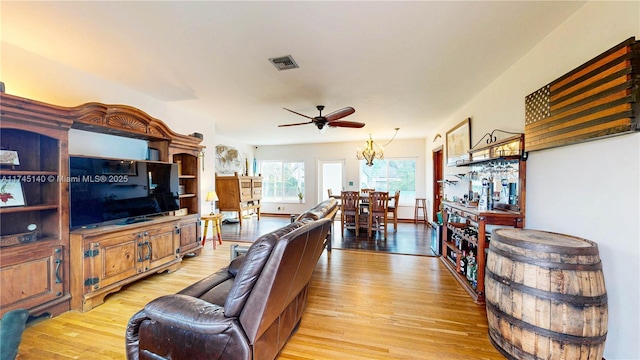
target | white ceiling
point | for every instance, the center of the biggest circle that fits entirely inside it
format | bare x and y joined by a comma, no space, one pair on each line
399,64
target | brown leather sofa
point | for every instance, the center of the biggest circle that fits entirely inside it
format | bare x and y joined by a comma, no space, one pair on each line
248,310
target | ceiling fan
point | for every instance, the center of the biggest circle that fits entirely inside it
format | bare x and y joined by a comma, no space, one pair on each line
332,119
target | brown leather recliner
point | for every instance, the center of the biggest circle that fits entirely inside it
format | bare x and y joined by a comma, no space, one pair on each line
246,311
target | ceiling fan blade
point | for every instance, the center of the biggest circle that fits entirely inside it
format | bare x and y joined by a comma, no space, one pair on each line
347,124
339,114
296,124
297,113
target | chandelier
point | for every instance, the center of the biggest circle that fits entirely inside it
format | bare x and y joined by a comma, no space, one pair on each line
373,150
370,152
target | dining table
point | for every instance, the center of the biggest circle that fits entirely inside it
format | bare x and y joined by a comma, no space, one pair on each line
364,201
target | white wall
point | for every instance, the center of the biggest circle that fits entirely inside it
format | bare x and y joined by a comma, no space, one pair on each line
31,76
589,190
311,154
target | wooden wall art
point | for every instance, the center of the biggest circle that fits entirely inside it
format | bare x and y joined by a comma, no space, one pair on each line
597,99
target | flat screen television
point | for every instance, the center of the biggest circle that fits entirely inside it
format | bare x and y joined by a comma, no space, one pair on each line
121,191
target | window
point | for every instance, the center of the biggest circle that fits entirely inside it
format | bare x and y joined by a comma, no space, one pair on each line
282,180
391,175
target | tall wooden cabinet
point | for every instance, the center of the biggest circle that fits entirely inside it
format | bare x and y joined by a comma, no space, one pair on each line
238,193
34,222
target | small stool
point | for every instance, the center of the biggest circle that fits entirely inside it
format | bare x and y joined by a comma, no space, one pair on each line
216,219
421,204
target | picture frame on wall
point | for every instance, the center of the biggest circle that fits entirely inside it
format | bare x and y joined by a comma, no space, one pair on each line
458,143
11,193
229,160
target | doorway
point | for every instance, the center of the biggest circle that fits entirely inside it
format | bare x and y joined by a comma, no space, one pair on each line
438,184
331,176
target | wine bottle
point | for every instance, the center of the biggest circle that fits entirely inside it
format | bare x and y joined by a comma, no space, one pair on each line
463,263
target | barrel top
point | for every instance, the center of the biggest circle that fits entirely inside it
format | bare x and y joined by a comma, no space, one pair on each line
541,238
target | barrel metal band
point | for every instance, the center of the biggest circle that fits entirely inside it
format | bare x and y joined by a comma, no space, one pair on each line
554,335
547,264
548,295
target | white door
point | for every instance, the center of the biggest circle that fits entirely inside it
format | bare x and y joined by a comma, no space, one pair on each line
331,176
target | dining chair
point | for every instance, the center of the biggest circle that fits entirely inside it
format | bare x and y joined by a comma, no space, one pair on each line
393,209
378,208
350,211
364,199
338,199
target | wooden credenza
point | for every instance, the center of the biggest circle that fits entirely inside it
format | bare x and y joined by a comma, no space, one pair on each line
238,193
105,258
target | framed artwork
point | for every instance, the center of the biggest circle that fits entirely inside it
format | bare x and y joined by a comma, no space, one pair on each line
459,143
9,157
11,193
229,160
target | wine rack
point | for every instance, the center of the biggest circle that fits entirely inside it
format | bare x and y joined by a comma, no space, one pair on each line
465,240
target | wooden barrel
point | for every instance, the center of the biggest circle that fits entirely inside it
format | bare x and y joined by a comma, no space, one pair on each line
545,296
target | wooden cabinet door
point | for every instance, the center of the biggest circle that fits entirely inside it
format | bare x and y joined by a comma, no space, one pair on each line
159,246
30,276
189,234
111,259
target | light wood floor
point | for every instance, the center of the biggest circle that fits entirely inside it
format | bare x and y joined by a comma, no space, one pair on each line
362,305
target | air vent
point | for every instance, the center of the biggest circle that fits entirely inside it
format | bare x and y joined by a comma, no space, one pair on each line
284,63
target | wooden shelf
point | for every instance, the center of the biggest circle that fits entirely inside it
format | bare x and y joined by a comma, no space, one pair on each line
451,245
9,172
456,230
511,148
17,209
462,280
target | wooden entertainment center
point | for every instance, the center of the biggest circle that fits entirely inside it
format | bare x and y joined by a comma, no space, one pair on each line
48,269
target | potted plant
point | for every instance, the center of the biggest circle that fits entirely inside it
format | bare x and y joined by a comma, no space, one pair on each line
300,195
